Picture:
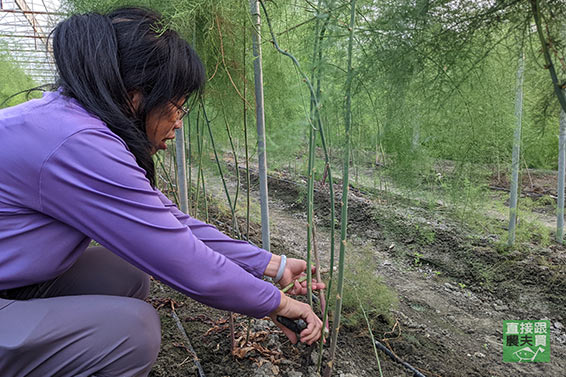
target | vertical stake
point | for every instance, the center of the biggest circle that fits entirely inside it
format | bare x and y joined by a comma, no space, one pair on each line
516,152
560,190
260,116
181,169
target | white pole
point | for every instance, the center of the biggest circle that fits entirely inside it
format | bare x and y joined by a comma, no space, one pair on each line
516,151
260,116
181,169
560,190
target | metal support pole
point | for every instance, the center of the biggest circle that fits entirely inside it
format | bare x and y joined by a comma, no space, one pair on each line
560,190
516,152
181,169
260,116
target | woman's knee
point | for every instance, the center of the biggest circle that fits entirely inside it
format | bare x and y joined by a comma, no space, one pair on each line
142,285
142,331
145,327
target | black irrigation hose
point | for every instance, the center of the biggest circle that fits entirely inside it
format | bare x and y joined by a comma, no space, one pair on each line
396,358
186,338
189,345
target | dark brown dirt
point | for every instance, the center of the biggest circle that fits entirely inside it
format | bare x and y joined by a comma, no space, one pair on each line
454,289
268,352
533,183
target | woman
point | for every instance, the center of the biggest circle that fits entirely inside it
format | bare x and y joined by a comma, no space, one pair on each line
76,165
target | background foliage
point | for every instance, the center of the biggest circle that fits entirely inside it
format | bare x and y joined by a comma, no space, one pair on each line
13,81
433,91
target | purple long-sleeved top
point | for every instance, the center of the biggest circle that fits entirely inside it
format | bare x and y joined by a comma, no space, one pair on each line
65,179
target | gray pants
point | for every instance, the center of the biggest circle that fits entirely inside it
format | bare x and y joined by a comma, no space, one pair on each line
90,321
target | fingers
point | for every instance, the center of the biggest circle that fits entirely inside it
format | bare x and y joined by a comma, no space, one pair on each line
296,270
317,286
298,288
301,288
294,310
312,333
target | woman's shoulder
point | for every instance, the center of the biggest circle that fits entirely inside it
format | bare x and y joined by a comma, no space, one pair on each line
41,125
32,132
52,115
51,129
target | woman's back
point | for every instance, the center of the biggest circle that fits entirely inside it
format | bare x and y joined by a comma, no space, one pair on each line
30,134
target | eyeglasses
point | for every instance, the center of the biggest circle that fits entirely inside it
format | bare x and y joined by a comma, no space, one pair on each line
182,111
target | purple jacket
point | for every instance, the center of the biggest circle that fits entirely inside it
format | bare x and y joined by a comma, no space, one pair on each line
65,179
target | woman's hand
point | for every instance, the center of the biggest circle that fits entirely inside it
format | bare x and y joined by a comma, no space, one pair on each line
294,309
294,270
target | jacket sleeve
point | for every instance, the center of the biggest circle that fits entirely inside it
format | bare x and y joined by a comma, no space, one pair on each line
251,258
93,183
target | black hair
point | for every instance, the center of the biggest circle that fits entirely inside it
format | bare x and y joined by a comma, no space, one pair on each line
102,59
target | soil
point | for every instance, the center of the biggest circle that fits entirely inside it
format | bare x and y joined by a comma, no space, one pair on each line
454,288
534,183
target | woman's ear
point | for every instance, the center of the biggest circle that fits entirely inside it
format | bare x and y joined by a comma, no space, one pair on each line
135,99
